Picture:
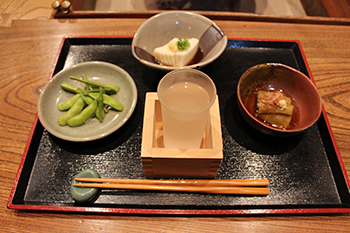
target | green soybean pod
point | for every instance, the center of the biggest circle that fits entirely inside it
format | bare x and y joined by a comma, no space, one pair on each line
87,99
73,111
112,89
68,103
82,117
87,86
69,87
100,114
97,113
110,101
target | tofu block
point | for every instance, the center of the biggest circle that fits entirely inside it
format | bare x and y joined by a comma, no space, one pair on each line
170,55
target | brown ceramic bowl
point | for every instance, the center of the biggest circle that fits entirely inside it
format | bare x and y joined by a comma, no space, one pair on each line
294,84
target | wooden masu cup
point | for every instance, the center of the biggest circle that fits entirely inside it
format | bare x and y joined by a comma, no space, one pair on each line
160,162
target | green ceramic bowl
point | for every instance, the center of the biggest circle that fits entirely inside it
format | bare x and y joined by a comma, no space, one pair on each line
52,95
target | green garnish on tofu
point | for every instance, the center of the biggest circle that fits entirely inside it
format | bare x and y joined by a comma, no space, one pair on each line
183,44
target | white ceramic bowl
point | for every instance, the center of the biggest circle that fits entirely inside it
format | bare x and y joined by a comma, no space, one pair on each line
52,95
160,29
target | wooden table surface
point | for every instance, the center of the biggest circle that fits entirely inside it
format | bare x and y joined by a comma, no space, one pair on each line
28,50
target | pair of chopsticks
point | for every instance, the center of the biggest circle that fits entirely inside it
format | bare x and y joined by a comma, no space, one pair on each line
236,186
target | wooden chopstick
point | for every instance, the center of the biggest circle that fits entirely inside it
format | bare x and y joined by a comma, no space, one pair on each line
238,187
201,189
221,183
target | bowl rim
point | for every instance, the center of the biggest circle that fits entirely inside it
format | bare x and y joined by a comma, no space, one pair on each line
283,131
170,68
195,71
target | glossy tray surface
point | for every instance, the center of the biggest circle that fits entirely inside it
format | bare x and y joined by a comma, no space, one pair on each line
306,174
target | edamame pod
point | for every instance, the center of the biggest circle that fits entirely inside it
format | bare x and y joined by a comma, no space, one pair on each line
82,117
110,101
100,114
97,113
112,89
87,99
68,103
87,86
69,87
73,111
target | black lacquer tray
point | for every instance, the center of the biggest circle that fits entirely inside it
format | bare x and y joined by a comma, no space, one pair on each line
306,172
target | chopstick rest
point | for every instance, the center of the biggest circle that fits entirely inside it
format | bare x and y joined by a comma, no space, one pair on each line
80,194
236,187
